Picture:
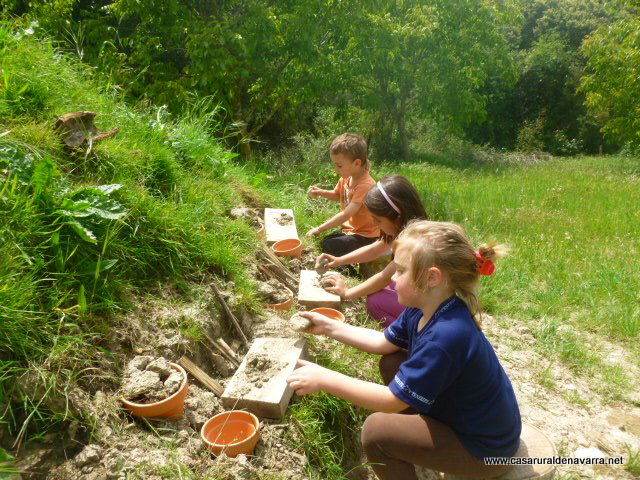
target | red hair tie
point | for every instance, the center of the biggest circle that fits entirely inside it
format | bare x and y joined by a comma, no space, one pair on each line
485,266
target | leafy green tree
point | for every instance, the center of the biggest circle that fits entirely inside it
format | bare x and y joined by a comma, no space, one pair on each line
262,59
549,62
420,57
611,83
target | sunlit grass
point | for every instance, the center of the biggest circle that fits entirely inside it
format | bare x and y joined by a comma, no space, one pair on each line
569,223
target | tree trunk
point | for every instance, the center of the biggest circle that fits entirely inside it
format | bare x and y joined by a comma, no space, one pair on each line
403,135
245,148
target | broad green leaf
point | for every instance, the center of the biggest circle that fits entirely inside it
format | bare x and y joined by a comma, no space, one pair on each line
82,231
20,163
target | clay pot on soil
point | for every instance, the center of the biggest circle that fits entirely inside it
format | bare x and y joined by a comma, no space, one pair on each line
261,232
332,313
170,407
284,305
291,247
232,433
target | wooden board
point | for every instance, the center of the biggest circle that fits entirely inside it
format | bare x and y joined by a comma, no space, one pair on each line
275,231
260,383
311,295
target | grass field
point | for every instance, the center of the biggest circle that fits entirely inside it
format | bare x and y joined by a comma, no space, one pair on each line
570,224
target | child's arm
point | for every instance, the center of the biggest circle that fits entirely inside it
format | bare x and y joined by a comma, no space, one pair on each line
319,192
362,255
365,339
335,284
336,220
311,378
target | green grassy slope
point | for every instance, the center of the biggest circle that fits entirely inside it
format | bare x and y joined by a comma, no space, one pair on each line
71,254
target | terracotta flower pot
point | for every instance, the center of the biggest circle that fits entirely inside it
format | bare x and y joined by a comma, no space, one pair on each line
170,407
284,305
261,232
291,247
232,433
332,313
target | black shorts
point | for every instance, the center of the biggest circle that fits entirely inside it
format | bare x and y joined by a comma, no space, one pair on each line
339,244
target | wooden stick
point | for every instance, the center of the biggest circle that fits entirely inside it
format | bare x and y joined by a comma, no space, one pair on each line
230,314
220,362
201,376
273,258
273,263
222,352
226,347
272,274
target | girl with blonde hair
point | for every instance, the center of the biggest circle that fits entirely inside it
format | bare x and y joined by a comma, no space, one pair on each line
446,403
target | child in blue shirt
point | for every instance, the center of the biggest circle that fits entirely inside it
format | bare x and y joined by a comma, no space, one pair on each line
448,403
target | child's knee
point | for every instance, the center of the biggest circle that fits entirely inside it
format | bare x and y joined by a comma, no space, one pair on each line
373,305
373,431
330,245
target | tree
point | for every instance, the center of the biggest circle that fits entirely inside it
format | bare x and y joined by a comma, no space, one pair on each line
261,58
426,57
611,81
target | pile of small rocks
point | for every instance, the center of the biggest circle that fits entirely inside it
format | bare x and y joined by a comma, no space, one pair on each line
150,379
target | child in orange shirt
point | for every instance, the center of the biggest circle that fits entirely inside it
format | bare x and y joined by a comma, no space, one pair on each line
349,156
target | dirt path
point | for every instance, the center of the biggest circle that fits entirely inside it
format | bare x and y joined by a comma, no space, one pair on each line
569,410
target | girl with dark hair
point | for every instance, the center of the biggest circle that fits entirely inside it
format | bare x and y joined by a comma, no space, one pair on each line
393,202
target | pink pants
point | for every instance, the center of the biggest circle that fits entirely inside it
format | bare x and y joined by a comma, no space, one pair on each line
383,305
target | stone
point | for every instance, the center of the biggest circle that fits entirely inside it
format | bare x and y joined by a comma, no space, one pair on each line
241,212
173,382
299,323
161,367
589,453
89,455
139,362
141,383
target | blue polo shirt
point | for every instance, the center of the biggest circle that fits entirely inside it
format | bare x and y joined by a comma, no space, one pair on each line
453,375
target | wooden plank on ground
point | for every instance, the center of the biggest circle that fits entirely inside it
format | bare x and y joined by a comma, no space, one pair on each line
200,375
312,295
260,383
279,224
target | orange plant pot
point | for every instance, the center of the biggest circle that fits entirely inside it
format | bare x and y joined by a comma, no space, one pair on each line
232,433
332,313
291,247
261,232
284,305
170,407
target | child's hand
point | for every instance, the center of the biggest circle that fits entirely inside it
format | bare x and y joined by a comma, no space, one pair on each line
313,232
334,283
320,324
328,261
314,191
308,378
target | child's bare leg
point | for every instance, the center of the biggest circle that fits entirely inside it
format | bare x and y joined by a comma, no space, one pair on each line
394,443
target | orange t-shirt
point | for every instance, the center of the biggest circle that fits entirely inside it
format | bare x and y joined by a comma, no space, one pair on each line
361,223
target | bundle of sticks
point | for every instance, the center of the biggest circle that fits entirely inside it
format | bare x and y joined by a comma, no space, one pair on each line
272,267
